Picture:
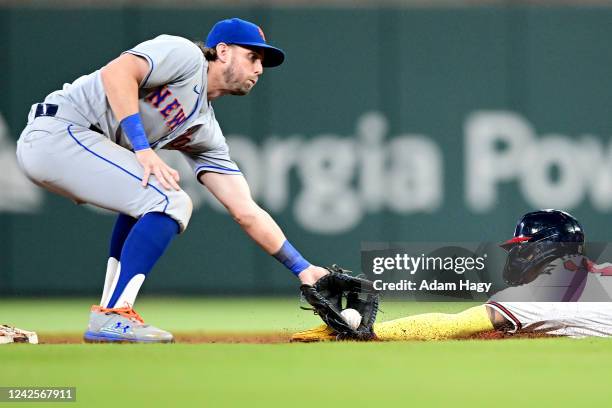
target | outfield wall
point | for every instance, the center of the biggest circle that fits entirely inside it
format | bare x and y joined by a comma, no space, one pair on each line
387,124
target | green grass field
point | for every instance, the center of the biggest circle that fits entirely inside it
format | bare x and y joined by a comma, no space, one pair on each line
530,372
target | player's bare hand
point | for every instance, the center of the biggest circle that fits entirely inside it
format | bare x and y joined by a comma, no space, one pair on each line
312,274
154,165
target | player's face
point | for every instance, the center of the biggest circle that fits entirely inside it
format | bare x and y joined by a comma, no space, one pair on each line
243,70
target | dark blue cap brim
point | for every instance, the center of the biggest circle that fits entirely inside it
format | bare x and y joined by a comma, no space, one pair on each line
273,56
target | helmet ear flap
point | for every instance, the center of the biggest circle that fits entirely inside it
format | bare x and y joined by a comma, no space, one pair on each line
515,267
523,260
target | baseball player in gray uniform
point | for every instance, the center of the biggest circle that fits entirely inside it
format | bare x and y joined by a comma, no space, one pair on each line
94,141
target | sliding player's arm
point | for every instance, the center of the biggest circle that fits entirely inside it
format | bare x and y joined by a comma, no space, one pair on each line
440,326
429,326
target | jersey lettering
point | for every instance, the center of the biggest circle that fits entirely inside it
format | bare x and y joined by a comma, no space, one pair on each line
604,269
156,97
177,119
183,140
169,108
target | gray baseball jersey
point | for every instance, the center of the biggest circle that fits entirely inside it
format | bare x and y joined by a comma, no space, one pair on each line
172,103
61,150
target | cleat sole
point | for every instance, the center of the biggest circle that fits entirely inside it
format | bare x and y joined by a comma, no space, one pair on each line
90,337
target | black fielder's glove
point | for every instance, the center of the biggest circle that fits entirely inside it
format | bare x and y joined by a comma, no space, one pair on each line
327,295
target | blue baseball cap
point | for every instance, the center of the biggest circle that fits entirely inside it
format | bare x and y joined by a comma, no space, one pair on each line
241,32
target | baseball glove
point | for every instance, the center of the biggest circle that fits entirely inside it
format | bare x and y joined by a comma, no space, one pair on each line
326,297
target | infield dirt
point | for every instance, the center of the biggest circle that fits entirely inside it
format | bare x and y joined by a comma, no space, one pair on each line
251,338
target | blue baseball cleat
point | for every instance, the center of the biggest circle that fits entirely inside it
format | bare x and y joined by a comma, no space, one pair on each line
122,325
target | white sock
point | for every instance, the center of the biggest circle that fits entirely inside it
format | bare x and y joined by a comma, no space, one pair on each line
112,274
128,297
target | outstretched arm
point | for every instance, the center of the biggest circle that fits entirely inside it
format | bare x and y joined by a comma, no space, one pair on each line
233,192
437,326
428,326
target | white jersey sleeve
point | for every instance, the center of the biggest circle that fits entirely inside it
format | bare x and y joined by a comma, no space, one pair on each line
571,319
171,59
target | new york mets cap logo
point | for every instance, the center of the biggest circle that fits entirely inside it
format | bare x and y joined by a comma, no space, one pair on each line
261,33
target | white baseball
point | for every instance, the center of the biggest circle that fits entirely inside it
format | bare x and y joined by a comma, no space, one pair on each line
352,318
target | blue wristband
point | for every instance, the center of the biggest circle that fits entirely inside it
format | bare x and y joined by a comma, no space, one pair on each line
134,130
291,258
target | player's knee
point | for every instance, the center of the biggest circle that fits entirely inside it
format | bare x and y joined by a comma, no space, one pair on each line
180,208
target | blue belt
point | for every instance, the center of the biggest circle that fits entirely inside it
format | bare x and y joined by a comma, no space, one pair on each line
50,109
